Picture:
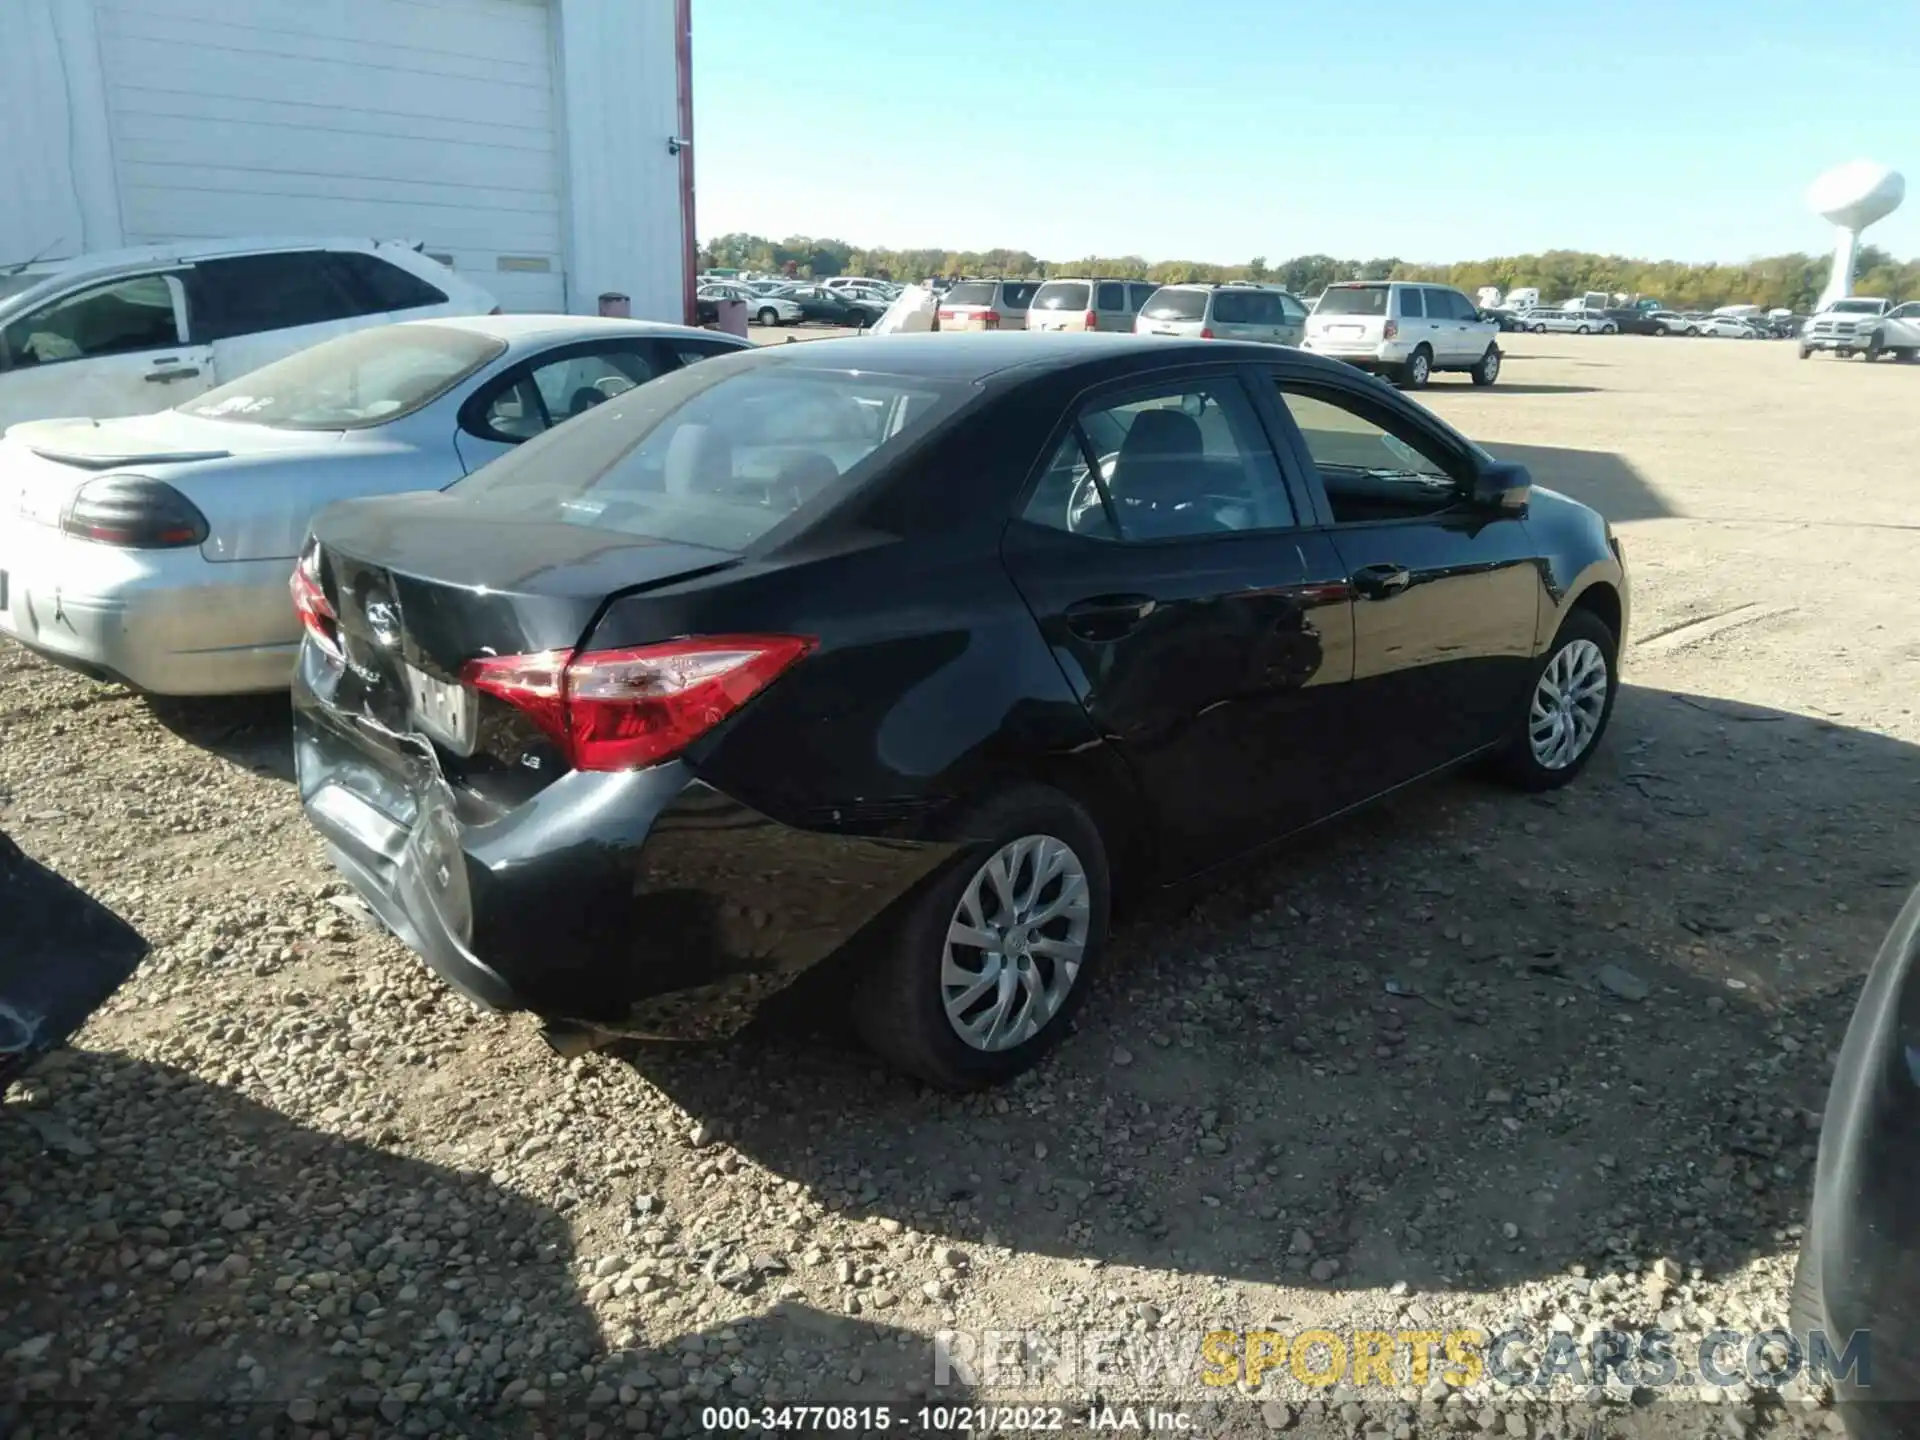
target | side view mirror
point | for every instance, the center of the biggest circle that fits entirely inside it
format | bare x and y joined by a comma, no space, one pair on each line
1503,485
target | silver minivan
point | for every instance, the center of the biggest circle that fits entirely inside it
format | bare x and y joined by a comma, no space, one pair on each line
986,305
1089,305
1405,330
1224,312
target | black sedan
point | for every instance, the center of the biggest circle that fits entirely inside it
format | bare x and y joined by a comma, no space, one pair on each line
830,307
912,651
1858,1285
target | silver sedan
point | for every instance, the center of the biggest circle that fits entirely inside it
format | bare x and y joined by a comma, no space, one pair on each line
155,550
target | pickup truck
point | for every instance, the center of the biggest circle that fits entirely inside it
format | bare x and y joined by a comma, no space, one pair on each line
1864,325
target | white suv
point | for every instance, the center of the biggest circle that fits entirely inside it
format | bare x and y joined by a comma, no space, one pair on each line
1404,330
129,332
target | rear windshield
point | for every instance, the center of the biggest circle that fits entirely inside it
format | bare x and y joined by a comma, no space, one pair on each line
970,292
1353,300
1062,295
352,382
716,454
1176,305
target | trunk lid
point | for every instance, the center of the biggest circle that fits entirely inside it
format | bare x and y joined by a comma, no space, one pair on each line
421,585
43,462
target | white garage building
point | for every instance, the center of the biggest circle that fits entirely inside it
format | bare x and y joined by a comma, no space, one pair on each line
534,145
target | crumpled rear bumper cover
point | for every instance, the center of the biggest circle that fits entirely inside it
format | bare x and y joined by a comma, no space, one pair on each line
644,902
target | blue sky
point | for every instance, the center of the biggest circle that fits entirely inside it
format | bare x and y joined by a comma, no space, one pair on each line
1223,129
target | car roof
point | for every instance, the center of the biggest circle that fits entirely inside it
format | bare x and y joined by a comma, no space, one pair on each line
183,250
980,356
540,329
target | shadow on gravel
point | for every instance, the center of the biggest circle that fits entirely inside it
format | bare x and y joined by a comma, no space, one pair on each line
1467,1038
1505,389
177,1259
254,732
1600,478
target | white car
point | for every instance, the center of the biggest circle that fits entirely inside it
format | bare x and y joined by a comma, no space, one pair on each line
761,309
1730,327
156,549
134,331
1569,322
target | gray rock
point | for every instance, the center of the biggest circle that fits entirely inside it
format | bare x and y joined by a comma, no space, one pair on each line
1623,984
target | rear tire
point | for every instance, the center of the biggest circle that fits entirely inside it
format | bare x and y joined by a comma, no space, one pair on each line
1538,329
1418,369
1488,370
910,1009
1551,742
1660,330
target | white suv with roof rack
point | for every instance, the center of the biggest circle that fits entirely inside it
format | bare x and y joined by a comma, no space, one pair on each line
1404,330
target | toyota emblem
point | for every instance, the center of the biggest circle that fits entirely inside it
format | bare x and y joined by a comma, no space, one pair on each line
383,619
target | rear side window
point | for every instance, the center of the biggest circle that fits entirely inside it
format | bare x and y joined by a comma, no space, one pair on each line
1176,305
1290,308
381,285
1016,296
1412,307
250,294
1111,296
713,455
1061,295
1138,295
969,292
1354,300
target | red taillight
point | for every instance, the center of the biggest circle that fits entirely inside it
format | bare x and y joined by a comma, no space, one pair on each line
1091,320
944,315
990,318
310,603
135,513
1206,332
630,708
1391,329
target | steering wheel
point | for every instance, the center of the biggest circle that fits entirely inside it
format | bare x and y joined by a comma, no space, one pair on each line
1085,497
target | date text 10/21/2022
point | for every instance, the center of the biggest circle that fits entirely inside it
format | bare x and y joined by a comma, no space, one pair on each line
943,1419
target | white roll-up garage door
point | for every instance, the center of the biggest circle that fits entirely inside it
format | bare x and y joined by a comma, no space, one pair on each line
423,120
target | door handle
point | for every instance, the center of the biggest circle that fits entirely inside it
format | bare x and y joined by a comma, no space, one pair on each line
1108,617
1378,582
161,377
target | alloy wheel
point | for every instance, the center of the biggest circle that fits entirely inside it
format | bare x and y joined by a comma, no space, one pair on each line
1417,369
1490,366
1567,705
1016,942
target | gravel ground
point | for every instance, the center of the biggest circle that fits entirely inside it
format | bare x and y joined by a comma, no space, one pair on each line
1469,1060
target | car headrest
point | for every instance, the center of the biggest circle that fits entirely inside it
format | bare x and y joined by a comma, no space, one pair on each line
699,461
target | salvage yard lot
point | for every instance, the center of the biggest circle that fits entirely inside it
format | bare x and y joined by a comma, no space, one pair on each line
1458,1045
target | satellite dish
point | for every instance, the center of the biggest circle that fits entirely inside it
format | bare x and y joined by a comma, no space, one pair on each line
1851,197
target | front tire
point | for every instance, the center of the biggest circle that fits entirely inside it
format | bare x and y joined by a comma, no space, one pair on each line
1581,330
1488,370
1806,352
1876,347
1567,706
1418,369
768,316
982,974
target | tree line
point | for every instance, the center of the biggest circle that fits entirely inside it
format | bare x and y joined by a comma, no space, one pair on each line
1792,282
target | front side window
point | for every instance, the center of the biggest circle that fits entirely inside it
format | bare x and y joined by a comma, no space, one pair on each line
714,455
1370,473
1165,464
118,319
250,294
561,389
354,381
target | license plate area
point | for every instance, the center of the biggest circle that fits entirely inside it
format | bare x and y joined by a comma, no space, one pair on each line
441,709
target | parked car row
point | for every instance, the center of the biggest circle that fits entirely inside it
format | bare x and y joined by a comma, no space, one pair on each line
842,300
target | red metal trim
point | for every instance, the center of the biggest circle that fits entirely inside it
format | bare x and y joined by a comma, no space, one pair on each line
689,241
